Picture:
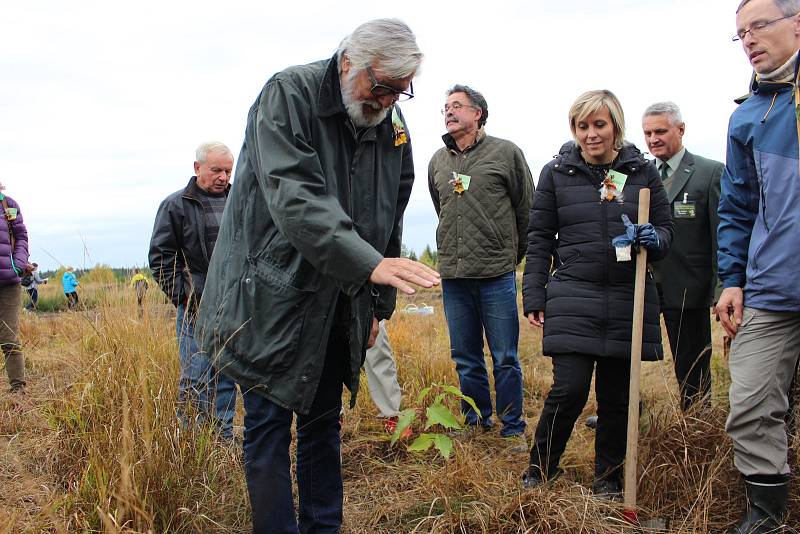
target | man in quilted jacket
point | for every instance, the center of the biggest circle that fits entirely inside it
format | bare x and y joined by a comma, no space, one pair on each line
481,188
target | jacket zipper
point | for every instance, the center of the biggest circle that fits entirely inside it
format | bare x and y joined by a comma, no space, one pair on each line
605,273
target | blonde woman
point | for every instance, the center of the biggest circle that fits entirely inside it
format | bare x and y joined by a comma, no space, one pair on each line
580,292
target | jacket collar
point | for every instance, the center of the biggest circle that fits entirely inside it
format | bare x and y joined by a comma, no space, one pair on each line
629,156
329,100
192,190
451,144
762,87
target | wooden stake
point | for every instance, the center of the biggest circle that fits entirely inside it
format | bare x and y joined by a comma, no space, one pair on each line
632,450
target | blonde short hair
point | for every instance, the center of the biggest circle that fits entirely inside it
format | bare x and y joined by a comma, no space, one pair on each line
591,102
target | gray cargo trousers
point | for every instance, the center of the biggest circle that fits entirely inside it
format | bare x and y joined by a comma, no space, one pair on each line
762,362
382,375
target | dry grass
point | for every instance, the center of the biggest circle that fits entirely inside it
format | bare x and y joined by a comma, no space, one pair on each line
96,446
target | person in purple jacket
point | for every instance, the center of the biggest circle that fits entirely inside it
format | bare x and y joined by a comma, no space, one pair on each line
13,265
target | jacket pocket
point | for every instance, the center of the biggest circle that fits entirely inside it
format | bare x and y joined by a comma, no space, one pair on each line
270,310
559,264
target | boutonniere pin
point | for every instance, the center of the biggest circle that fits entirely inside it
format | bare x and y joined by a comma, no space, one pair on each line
400,137
460,182
612,186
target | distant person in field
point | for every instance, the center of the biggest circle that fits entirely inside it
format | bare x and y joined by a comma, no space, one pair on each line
759,241
13,265
687,277
579,288
31,283
481,189
184,237
139,284
307,263
70,285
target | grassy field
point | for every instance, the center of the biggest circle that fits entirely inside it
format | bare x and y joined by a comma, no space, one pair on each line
95,446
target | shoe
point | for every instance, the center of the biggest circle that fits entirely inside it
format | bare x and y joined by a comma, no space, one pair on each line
516,443
390,425
469,430
591,422
607,490
766,508
533,478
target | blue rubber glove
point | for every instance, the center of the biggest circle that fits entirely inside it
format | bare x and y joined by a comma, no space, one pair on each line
644,235
647,236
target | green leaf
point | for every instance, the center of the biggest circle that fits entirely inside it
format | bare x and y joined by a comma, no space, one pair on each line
423,394
443,444
439,414
422,443
457,392
404,420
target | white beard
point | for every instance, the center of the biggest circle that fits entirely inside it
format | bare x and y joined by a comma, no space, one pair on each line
355,108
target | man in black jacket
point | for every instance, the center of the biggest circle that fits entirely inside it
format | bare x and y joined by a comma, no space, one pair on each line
687,278
184,235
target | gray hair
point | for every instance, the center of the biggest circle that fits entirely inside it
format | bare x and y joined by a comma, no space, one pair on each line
670,109
389,43
787,7
475,98
201,154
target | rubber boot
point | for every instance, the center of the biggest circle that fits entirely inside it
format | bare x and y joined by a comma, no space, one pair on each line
766,506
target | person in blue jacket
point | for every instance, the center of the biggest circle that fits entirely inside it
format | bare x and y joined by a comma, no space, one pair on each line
70,284
758,242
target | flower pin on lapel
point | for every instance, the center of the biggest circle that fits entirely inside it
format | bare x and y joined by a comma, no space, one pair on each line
400,137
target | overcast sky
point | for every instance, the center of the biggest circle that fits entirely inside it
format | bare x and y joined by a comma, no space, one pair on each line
103,103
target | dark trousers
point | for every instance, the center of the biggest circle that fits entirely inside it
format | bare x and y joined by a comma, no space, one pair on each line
72,300
572,378
33,293
267,435
689,333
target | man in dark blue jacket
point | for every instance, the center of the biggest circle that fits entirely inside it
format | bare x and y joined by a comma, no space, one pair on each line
758,244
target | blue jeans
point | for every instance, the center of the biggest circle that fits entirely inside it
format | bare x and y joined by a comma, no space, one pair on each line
472,307
201,385
267,436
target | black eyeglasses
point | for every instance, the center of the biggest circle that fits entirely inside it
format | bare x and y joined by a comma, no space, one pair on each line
756,28
379,89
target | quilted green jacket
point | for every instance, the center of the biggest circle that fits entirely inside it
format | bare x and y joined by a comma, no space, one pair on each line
481,232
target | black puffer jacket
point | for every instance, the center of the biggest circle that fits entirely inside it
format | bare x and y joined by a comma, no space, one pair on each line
588,296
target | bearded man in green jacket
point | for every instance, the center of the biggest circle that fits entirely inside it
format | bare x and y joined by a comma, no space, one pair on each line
306,262
482,190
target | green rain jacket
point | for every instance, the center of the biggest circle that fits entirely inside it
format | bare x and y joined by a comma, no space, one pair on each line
314,207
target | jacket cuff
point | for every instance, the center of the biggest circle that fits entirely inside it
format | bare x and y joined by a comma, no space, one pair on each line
734,280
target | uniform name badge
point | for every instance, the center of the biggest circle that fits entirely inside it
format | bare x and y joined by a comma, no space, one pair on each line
685,209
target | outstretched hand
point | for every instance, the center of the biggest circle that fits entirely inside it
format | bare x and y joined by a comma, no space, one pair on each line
400,272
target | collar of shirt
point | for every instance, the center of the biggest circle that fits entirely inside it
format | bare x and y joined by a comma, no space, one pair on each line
672,163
